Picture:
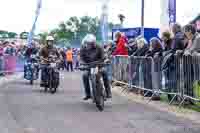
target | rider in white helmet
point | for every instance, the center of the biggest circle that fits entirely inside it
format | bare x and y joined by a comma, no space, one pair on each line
45,53
91,52
50,41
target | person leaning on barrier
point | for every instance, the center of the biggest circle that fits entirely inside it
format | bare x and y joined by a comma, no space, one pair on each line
155,51
132,46
167,41
193,48
155,48
178,41
91,52
193,39
168,64
142,47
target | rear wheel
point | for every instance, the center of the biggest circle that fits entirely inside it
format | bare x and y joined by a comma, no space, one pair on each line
45,89
31,82
53,82
53,90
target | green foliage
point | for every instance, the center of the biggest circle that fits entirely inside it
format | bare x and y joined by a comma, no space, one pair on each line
6,34
76,28
24,35
43,37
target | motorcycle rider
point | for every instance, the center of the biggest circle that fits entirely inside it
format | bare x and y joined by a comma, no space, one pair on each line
91,52
31,50
47,51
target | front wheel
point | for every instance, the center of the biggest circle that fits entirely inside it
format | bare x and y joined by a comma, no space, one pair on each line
99,96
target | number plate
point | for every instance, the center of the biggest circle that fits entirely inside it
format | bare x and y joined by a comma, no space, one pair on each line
94,70
53,64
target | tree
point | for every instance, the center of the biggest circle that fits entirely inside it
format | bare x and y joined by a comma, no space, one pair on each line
12,34
43,37
76,28
121,18
24,35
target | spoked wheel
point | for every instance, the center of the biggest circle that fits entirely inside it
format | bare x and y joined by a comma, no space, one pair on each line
53,90
100,96
45,89
100,105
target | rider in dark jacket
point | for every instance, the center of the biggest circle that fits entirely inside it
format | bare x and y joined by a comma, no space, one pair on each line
91,52
45,52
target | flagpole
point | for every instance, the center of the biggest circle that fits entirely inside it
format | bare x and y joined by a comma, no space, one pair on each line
37,13
142,18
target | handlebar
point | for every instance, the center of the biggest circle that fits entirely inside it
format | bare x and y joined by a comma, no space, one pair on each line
87,66
97,63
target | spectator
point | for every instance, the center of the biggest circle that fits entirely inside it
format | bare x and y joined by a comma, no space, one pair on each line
108,55
142,47
167,41
168,64
63,62
1,59
194,39
155,49
192,48
77,60
108,50
9,49
178,39
132,46
121,42
69,58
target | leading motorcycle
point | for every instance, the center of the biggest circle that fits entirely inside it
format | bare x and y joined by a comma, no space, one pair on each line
96,82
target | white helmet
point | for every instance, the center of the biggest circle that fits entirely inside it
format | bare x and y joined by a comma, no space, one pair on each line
50,38
89,38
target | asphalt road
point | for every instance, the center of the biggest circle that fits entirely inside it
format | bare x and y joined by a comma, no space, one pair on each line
24,109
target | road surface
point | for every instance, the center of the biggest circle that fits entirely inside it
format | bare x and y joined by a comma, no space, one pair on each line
24,109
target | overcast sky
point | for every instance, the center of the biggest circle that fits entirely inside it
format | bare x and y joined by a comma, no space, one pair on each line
18,15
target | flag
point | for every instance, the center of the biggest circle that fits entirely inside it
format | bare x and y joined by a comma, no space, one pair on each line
37,13
104,24
172,11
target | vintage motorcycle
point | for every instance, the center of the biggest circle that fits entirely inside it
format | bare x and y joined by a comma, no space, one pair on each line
96,82
31,69
52,75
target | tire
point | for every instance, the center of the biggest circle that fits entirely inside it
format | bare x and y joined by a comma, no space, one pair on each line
52,83
100,99
53,90
45,89
31,82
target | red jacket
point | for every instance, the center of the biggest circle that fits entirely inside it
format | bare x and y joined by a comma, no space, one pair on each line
121,48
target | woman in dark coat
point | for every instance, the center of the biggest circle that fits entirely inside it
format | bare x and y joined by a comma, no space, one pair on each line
142,47
155,52
168,64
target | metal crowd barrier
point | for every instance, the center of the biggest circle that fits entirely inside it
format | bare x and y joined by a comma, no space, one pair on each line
10,64
179,79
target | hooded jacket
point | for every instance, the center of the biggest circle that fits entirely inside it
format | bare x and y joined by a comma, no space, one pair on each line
121,46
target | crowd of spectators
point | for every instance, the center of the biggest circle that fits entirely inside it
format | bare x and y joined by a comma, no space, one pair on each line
178,40
11,55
